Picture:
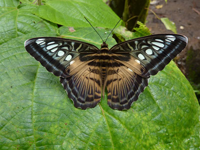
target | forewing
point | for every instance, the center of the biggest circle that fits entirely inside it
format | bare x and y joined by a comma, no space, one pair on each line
70,60
56,54
150,53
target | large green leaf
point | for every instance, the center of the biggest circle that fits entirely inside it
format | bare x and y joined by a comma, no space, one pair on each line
87,34
9,3
72,13
35,112
15,22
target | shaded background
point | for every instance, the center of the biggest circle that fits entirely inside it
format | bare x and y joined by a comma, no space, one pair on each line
186,15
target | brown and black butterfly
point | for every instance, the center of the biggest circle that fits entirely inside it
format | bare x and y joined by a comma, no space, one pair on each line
85,71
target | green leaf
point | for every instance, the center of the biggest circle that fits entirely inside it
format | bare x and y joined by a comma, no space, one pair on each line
72,13
85,34
123,34
28,1
142,30
9,3
35,112
193,140
169,24
15,22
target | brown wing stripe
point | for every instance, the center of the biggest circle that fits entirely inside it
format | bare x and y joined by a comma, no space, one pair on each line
124,103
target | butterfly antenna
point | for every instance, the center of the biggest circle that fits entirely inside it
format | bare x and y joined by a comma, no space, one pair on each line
113,29
94,29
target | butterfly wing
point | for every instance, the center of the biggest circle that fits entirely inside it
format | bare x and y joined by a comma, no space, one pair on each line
83,83
70,59
153,52
138,59
123,85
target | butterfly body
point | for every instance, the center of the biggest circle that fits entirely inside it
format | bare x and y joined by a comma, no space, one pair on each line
86,71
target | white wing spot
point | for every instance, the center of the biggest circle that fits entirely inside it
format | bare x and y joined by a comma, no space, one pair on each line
51,46
136,45
130,70
65,48
42,43
140,56
159,40
158,44
50,43
171,37
144,46
137,61
73,46
39,41
71,62
167,40
54,49
60,53
68,58
149,51
156,48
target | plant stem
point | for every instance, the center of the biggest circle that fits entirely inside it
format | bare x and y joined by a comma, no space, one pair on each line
39,2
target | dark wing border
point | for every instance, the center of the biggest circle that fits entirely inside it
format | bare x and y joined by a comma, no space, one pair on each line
172,44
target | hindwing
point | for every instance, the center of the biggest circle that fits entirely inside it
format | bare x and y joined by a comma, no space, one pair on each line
83,83
123,85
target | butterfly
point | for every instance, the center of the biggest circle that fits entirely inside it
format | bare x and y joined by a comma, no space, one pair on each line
85,71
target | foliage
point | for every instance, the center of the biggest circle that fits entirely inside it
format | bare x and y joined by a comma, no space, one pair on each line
169,24
123,34
131,11
35,112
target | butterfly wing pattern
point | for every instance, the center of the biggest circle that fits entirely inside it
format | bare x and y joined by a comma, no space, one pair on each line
86,71
141,57
69,60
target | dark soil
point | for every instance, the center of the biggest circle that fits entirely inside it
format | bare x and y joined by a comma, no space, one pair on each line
186,15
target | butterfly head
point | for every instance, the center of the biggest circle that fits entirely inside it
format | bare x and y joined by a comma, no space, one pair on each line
104,45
